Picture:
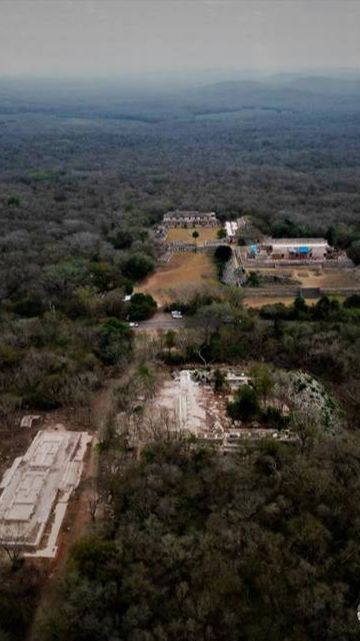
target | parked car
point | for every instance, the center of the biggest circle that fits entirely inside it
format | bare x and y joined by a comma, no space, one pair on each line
132,324
176,314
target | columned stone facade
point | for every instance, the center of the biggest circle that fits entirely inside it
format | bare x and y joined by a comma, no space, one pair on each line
190,219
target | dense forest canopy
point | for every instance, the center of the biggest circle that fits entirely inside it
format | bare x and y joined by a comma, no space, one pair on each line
274,150
213,548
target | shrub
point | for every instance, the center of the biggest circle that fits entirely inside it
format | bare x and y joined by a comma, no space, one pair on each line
222,256
273,417
276,312
325,308
352,301
253,280
13,201
245,406
354,252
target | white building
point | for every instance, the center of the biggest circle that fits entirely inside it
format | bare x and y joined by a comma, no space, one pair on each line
296,248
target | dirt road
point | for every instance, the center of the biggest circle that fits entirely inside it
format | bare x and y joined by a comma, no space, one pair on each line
160,321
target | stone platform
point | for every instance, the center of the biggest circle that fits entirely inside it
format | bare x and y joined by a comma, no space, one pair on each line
35,491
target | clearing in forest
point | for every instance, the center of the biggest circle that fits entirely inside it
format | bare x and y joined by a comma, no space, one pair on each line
188,269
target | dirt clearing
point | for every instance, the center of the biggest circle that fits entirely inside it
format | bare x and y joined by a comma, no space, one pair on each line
187,269
310,277
331,278
186,235
259,301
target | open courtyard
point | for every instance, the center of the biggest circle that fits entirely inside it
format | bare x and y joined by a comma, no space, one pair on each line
178,234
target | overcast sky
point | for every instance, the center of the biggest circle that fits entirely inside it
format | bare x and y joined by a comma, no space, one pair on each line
92,37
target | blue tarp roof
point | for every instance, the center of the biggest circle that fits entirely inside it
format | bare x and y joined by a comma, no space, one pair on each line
253,248
304,249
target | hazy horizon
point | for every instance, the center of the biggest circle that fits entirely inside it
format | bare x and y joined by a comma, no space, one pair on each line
126,39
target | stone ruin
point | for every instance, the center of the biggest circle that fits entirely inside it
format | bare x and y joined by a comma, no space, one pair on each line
36,489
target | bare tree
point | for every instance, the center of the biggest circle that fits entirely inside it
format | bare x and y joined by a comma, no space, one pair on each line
305,424
94,497
11,542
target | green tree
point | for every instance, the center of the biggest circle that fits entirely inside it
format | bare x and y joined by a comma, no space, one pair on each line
209,319
245,405
354,252
219,380
138,266
114,341
223,253
170,340
326,309
142,307
300,308
62,279
262,380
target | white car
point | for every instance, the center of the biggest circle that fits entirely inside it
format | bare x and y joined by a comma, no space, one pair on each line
176,314
133,324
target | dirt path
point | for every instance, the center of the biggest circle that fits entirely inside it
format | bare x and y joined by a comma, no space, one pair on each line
160,321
